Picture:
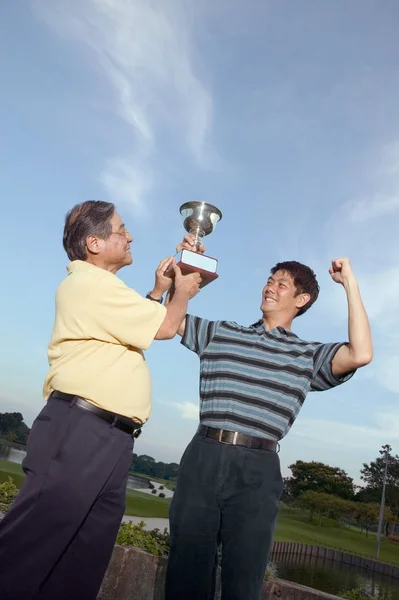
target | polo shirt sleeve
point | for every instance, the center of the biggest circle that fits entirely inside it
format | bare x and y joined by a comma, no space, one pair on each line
120,315
198,333
323,378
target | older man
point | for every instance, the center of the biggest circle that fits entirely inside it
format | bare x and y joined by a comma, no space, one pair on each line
56,541
253,382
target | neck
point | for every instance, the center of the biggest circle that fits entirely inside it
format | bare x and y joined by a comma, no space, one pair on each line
273,321
101,264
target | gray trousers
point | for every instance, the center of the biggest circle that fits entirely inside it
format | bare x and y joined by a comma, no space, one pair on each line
58,537
226,495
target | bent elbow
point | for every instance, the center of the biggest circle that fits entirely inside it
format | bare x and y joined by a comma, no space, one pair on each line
165,333
364,359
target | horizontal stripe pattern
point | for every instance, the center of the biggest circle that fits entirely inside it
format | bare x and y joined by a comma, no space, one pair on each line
255,381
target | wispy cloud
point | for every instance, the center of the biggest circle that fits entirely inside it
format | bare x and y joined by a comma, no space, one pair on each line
386,426
366,230
340,443
188,410
145,51
369,209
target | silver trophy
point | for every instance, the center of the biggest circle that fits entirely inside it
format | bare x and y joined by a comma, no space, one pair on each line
199,218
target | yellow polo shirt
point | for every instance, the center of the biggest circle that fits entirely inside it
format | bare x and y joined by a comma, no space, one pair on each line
100,331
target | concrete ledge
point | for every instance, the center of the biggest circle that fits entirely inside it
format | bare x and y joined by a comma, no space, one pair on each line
292,591
136,575
133,574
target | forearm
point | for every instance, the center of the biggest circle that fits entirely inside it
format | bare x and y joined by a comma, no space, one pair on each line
176,307
169,297
359,334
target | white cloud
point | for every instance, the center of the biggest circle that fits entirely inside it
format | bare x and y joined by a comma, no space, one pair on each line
369,209
340,443
145,51
347,435
366,230
126,179
188,410
380,293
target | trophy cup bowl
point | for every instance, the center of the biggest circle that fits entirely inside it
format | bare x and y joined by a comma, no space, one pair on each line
199,219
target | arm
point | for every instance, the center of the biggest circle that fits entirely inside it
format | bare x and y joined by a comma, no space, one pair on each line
358,352
169,297
188,244
186,287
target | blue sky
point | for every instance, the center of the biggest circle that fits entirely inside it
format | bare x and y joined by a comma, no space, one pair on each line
282,114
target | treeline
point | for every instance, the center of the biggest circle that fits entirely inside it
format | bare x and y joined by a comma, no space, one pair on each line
13,428
365,514
147,465
327,491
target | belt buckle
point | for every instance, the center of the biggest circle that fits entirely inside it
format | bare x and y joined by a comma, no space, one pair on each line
235,436
137,433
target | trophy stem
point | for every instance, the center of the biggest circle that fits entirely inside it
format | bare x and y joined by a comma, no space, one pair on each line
198,233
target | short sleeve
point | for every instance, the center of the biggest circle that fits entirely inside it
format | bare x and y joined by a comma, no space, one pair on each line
198,333
323,378
120,315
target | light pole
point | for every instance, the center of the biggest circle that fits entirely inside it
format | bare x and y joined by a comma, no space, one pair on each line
385,453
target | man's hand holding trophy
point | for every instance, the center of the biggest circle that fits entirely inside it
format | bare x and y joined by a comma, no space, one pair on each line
199,220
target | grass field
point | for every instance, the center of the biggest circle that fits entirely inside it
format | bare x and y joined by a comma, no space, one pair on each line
8,469
291,527
170,485
295,527
138,504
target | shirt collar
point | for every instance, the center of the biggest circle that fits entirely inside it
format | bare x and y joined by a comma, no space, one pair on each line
83,265
259,326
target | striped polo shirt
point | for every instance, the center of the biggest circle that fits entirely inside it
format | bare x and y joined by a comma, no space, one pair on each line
255,381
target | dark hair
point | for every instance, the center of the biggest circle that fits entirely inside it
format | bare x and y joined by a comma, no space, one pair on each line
304,280
92,217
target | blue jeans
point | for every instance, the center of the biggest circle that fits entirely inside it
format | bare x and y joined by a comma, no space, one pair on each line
226,495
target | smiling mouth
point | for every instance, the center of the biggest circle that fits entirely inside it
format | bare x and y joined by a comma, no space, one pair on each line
269,299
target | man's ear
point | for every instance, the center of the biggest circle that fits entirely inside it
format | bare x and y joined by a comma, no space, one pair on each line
92,244
302,300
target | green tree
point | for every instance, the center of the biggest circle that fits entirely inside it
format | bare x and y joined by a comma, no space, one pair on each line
287,496
147,465
13,428
373,475
325,505
319,477
366,514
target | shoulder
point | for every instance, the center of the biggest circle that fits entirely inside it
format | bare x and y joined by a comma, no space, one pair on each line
82,274
320,351
288,342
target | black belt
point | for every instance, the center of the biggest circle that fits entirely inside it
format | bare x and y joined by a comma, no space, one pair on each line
238,439
118,421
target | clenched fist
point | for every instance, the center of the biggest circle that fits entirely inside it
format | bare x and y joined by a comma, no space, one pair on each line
341,270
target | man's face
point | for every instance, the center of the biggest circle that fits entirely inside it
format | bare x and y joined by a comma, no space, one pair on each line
279,296
115,250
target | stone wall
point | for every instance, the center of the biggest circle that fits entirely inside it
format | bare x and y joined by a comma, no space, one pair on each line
284,548
136,575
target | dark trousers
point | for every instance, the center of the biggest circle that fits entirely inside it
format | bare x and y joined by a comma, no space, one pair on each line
58,537
225,494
